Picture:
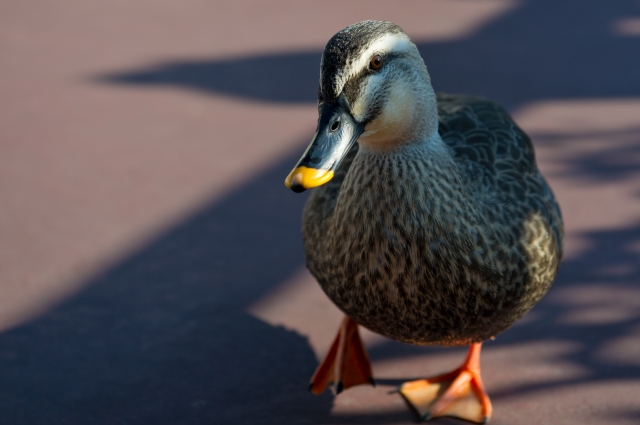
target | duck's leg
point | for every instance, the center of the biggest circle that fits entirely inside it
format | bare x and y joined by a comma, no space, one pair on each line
346,364
459,393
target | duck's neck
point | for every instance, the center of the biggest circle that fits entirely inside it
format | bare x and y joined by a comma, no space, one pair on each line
417,185
409,115
427,164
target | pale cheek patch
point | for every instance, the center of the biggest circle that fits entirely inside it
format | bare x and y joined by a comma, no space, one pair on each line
400,104
396,116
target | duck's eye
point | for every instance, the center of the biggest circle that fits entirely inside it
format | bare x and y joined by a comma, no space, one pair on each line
376,63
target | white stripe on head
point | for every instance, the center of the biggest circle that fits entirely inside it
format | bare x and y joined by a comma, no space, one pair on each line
385,44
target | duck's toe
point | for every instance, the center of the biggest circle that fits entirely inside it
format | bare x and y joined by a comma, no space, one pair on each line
457,394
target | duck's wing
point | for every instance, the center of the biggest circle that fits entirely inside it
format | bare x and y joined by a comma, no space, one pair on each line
497,158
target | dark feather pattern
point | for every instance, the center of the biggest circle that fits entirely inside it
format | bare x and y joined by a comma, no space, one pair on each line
447,246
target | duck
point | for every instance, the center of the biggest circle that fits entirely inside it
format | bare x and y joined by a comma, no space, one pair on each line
428,223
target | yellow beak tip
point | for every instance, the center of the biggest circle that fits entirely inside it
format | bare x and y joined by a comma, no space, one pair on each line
307,178
294,179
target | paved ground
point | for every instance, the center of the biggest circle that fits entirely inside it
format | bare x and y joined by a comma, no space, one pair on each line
150,260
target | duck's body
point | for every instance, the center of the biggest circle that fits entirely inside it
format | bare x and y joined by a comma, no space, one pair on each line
435,228
449,242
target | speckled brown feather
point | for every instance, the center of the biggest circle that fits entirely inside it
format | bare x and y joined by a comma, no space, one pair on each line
442,246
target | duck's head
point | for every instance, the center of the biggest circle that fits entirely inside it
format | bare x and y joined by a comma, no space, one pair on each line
374,89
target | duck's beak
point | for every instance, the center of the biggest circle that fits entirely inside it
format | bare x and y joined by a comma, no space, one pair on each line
337,131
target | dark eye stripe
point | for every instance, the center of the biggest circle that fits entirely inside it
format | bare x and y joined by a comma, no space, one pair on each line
352,87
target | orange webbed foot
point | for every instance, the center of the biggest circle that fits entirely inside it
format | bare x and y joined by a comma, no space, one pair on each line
346,364
458,394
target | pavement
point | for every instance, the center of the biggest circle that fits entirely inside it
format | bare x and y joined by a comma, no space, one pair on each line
151,265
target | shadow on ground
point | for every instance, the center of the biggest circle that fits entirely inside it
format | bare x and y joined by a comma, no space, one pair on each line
543,50
163,338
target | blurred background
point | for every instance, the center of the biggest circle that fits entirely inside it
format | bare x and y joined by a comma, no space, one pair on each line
151,266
